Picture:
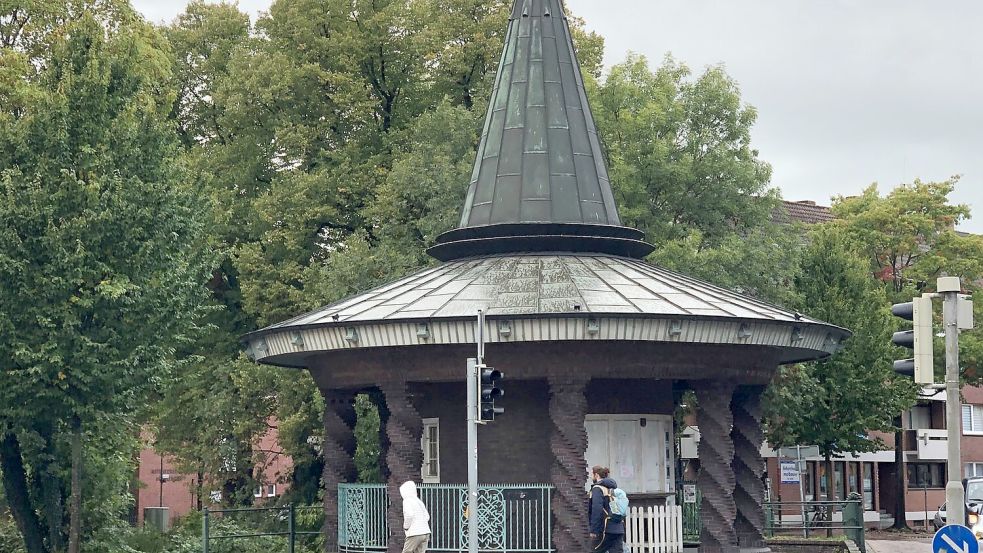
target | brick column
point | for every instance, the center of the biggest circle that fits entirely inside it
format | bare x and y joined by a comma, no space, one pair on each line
749,468
338,450
568,439
404,458
716,477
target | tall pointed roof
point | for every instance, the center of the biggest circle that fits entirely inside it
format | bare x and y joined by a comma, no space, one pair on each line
539,181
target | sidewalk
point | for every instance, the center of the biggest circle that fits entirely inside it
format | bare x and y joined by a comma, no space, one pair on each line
899,546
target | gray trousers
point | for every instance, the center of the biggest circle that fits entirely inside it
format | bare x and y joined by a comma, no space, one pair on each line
416,544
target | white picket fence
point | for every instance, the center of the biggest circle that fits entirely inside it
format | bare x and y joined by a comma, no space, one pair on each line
654,530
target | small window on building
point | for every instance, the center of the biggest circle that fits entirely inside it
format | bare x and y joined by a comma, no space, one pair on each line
258,492
973,419
431,451
810,481
974,469
926,475
271,490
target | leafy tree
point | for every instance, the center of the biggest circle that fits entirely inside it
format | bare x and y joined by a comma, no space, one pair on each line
680,151
101,267
836,402
909,235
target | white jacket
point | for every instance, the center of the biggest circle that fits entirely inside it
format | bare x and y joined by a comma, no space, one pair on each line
416,519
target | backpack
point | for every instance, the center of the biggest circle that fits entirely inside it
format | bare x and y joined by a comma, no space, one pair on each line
617,499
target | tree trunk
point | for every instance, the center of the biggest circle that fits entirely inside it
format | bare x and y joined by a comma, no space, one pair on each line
15,488
75,502
52,493
900,521
199,489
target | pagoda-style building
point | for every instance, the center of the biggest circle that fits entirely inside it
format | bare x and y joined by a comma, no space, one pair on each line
595,343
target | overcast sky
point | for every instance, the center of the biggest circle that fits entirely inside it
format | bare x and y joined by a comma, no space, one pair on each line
848,92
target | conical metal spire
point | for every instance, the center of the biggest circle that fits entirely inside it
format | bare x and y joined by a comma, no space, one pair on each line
539,181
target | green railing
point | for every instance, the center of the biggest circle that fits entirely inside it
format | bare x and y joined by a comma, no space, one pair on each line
691,514
283,529
817,518
511,517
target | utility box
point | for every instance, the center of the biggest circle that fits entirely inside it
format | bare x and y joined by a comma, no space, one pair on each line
157,517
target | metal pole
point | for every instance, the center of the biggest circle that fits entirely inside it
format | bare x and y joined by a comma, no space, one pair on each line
954,493
291,538
472,510
802,493
204,530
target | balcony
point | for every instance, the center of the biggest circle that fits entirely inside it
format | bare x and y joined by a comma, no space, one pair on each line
929,444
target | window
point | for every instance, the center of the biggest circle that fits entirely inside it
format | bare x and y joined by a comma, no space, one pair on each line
258,492
926,475
639,450
271,490
810,482
868,486
972,419
919,416
431,451
838,468
973,469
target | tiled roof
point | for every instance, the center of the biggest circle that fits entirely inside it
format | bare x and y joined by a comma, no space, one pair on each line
805,211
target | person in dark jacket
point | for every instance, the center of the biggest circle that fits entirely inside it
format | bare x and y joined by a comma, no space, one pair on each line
606,535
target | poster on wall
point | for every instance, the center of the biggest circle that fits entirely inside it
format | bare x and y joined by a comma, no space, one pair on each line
790,472
689,493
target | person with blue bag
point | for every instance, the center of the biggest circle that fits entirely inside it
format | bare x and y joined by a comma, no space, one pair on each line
607,508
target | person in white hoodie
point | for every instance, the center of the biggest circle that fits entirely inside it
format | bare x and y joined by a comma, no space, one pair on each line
416,520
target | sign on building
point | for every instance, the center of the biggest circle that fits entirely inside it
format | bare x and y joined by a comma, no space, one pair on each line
790,472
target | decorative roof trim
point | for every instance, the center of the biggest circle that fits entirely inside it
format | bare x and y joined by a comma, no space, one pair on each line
291,347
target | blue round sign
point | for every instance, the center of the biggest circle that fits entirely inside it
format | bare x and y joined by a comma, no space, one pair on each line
955,538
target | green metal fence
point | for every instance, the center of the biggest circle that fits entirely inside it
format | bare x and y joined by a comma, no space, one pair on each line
691,514
817,518
285,529
511,517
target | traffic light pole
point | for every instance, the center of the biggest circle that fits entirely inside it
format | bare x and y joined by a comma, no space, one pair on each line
472,376
949,288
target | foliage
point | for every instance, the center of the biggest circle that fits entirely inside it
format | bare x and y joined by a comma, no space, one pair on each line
101,268
834,403
909,238
680,152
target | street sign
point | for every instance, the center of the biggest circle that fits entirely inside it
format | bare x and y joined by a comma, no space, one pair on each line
790,472
955,538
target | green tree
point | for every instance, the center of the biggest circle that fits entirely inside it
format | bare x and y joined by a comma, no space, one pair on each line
680,152
102,273
836,402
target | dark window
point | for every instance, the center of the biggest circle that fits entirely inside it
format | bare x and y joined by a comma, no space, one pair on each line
926,475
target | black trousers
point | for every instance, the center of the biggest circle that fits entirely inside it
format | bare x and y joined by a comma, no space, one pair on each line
608,543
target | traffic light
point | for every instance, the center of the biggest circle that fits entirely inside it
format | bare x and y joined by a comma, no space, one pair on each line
919,339
489,389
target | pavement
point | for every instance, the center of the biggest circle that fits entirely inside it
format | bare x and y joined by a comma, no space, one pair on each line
899,546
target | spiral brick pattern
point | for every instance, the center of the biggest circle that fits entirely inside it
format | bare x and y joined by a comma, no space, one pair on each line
404,458
567,408
749,467
338,449
716,476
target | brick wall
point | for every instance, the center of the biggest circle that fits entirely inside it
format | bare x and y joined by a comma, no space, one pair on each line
516,447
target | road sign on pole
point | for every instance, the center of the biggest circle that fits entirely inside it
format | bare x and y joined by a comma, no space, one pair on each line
955,538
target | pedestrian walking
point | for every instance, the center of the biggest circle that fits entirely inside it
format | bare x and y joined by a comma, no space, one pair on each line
607,532
416,520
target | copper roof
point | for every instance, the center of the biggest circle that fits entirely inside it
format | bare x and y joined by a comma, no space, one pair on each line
539,181
543,284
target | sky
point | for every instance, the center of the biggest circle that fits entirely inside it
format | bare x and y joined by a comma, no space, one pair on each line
848,92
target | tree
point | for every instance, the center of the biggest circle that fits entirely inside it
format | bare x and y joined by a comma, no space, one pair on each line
680,151
101,269
909,239
836,402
